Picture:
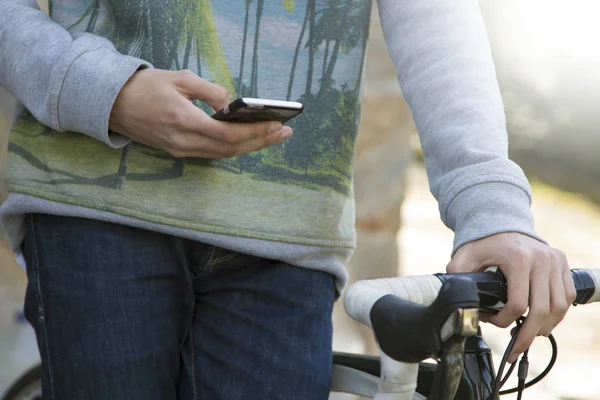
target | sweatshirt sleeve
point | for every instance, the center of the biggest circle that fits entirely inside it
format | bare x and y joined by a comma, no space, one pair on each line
445,68
68,83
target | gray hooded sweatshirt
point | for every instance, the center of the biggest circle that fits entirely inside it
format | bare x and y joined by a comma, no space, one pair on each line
292,202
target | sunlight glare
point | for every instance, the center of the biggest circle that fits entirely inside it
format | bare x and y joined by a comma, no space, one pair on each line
552,36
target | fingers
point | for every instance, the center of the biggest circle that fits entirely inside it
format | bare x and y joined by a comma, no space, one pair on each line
466,259
191,145
226,150
559,304
551,292
154,108
539,309
486,317
461,264
562,292
261,143
196,134
517,279
538,278
230,132
190,119
197,88
569,285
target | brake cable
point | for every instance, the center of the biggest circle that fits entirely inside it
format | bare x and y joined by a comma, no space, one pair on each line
523,366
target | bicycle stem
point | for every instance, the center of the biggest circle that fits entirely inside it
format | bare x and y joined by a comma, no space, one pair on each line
461,325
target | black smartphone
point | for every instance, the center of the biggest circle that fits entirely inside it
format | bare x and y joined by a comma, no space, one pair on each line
257,110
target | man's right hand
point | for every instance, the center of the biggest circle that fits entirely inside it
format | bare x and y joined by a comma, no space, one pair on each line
155,108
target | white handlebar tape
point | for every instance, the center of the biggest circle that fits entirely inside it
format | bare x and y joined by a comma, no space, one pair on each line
398,380
595,274
361,296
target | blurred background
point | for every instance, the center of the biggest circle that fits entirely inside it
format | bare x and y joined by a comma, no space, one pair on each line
547,55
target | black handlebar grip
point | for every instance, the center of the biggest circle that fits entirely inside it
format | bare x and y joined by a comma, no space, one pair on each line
491,286
584,284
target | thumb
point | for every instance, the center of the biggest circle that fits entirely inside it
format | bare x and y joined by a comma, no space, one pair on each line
195,87
464,260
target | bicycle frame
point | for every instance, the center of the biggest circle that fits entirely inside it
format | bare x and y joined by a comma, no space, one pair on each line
476,381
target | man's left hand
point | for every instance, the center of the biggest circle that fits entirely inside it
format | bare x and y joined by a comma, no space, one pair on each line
538,279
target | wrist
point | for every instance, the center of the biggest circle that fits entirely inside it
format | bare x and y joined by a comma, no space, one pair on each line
120,104
89,91
488,209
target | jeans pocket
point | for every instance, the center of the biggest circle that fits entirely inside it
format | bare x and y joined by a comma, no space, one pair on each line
220,255
223,261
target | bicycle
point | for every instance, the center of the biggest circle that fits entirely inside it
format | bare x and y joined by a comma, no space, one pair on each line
417,318
27,387
28,384
436,317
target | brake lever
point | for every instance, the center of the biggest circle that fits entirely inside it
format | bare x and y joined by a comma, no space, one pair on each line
461,325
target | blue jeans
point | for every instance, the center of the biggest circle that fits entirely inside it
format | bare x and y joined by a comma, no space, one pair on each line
122,314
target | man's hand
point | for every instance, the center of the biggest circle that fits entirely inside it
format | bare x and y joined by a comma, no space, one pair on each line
538,278
155,108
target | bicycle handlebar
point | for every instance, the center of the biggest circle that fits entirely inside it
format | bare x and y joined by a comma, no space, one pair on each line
362,295
403,304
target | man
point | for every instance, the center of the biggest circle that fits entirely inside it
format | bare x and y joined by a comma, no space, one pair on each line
160,268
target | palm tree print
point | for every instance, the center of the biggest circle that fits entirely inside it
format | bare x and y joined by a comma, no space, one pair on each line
338,24
297,52
320,66
138,28
244,40
312,45
254,77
